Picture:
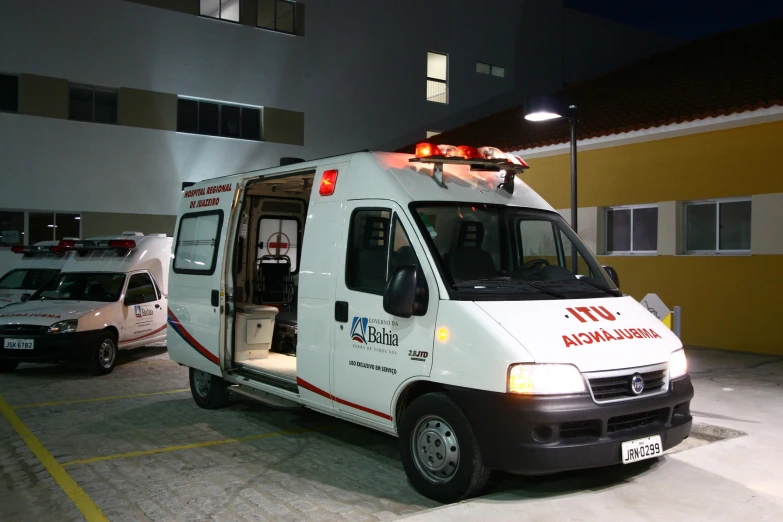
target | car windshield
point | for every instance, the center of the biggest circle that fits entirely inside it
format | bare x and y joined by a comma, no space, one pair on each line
495,252
82,286
26,279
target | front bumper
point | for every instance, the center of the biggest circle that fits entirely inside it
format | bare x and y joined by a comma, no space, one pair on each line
539,435
77,346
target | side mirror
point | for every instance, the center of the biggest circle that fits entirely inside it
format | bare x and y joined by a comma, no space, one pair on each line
612,273
133,300
400,294
25,297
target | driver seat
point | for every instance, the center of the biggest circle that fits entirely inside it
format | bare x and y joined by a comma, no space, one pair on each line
468,261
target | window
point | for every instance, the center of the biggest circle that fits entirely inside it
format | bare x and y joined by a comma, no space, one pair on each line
102,287
141,285
11,228
216,119
279,237
492,70
26,279
89,103
632,229
437,77
198,240
49,226
277,15
222,9
376,250
9,93
717,226
431,133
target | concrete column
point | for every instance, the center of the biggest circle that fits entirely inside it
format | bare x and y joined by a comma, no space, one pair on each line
670,233
766,223
591,226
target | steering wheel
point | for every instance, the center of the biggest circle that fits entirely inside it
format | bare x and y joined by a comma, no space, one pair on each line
538,262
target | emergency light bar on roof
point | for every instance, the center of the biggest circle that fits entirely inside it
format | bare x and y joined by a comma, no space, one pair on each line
29,251
121,246
479,158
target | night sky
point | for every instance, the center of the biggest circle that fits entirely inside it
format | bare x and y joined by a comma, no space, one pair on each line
683,19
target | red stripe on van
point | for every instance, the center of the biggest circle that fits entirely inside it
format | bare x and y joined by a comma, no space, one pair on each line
307,386
174,322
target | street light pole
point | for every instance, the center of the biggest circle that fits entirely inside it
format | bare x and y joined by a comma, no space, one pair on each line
572,111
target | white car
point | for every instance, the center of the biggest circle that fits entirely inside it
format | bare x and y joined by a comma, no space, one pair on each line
39,264
439,302
110,295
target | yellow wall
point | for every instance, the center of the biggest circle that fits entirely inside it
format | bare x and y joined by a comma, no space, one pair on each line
730,302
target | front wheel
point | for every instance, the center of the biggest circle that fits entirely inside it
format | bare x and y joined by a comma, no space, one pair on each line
439,451
8,366
209,391
104,355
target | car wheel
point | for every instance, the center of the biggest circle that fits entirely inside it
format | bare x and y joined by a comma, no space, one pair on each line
439,451
8,366
209,391
104,356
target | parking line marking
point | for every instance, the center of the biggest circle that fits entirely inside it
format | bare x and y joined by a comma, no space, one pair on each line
88,508
181,447
99,399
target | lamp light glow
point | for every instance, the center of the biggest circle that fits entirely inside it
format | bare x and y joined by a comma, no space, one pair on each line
542,116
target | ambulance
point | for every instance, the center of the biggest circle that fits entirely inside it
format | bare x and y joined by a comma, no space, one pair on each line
39,263
110,295
441,300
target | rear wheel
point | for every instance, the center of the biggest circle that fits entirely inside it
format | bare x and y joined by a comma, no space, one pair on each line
104,356
439,451
209,391
8,366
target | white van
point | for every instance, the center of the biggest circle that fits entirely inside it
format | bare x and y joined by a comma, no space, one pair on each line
110,295
38,265
438,302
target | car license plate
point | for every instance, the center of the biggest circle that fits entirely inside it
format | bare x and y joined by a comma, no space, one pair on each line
641,449
18,344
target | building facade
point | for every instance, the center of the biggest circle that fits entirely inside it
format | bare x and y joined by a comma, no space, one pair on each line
680,184
108,106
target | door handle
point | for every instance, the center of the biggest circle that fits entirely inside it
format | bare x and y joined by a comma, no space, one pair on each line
341,311
215,298
157,306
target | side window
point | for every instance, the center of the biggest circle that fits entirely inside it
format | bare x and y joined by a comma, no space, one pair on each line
377,246
538,241
368,247
141,284
278,240
197,243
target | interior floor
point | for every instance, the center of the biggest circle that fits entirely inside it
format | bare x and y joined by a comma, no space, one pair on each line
278,364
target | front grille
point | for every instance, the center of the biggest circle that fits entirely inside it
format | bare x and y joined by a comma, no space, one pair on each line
635,420
619,387
576,429
21,329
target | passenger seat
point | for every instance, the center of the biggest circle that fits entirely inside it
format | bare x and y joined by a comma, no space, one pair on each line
468,261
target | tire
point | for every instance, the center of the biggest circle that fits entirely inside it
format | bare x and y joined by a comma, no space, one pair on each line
104,355
8,366
431,422
209,391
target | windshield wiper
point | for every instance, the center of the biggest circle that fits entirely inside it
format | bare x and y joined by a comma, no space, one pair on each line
506,280
545,290
613,293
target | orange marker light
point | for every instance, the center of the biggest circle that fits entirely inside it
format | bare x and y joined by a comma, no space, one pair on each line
443,334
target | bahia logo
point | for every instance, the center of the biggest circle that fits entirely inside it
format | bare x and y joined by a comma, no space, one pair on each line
359,329
363,332
137,311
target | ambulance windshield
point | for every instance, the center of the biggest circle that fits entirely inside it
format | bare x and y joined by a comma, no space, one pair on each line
82,286
26,279
493,249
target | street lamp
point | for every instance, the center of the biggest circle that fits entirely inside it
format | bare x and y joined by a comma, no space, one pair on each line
542,113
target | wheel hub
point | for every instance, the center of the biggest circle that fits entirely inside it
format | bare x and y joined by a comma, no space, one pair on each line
435,449
202,381
106,353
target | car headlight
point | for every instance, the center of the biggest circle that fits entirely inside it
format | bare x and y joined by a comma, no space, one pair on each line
545,379
68,326
678,364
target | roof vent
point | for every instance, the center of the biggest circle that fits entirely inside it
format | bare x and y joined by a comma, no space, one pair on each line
156,235
132,234
290,161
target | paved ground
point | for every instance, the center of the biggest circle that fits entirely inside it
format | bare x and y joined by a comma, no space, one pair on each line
144,451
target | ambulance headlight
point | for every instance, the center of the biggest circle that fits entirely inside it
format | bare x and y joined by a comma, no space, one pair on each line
545,379
678,365
68,326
